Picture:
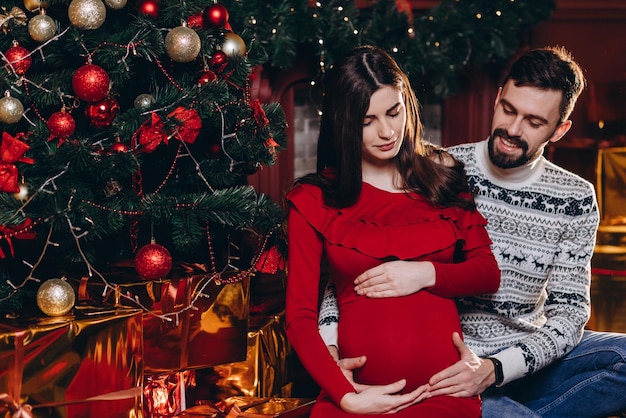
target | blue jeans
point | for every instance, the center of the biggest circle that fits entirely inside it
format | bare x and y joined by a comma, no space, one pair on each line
588,382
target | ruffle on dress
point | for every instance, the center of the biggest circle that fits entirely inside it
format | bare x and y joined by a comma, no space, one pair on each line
383,224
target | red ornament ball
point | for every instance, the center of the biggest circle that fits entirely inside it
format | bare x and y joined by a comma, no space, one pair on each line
153,261
218,61
90,83
102,113
205,77
149,8
118,147
215,16
61,125
18,57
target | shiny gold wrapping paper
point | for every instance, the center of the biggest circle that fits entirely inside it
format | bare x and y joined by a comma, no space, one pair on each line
89,364
213,332
264,372
252,407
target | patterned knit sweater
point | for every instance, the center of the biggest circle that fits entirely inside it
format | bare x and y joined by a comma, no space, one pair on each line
542,221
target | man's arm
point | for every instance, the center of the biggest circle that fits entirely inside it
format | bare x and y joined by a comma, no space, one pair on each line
328,319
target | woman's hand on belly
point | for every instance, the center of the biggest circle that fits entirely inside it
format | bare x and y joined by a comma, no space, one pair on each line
380,399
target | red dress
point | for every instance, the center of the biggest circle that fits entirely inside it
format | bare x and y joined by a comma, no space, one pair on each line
406,337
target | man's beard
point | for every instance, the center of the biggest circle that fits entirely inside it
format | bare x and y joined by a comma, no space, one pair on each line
502,160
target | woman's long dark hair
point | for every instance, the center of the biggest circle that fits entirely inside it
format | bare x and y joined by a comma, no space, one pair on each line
349,86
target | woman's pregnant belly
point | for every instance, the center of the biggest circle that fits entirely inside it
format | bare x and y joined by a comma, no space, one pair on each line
407,337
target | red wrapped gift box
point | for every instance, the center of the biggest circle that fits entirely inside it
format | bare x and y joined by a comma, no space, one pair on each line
213,332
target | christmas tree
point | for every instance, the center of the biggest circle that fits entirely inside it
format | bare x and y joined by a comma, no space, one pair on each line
127,134
129,126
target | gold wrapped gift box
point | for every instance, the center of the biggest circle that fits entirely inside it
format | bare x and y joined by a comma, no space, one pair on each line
264,373
83,365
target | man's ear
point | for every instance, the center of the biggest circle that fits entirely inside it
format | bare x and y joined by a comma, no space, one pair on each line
560,131
495,103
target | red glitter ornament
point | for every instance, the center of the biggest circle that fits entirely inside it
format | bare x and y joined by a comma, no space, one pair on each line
90,83
60,125
149,8
18,57
153,261
195,21
102,113
215,16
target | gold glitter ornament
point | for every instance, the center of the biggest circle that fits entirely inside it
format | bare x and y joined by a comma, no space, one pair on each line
87,14
182,44
233,45
11,109
55,297
42,27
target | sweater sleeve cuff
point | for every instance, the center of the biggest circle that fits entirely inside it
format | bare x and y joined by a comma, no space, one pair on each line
328,332
513,364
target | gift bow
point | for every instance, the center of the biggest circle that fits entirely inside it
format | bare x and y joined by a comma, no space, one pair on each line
11,151
153,132
15,13
16,410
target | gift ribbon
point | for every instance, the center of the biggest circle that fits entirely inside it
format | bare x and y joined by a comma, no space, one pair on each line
11,401
21,231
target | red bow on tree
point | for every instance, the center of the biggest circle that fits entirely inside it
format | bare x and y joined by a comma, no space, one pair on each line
259,114
153,132
11,151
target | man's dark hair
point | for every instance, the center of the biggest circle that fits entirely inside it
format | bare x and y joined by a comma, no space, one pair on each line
550,68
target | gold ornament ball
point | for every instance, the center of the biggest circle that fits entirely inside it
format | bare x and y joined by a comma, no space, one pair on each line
42,28
32,5
55,297
115,4
11,110
87,14
182,44
233,45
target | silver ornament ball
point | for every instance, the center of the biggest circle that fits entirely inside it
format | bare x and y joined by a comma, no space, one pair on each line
11,110
42,28
115,4
87,14
143,102
182,44
233,45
